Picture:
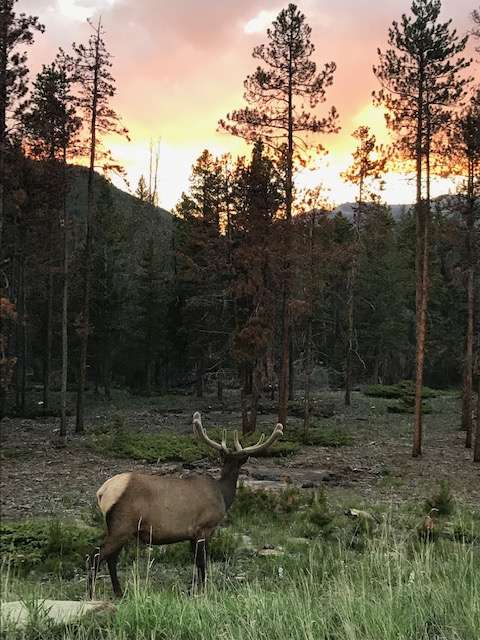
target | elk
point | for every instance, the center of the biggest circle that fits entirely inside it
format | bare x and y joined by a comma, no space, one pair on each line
165,509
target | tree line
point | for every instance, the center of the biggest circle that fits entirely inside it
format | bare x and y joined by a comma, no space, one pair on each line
254,278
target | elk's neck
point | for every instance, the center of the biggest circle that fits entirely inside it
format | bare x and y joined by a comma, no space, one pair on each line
228,480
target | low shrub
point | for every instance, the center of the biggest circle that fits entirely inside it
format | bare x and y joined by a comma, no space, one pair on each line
404,407
443,500
399,390
319,514
49,545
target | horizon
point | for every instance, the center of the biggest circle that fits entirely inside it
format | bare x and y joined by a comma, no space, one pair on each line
160,97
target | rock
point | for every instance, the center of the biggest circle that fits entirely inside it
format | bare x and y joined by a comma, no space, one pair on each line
270,476
264,485
58,611
298,541
246,542
270,552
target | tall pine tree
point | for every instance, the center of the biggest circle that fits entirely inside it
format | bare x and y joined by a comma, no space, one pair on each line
92,64
284,93
421,81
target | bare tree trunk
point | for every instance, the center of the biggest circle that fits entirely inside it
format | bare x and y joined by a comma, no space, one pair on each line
420,272
467,422
149,368
476,450
284,384
220,385
200,374
47,372
349,350
21,342
308,378
85,324
23,387
3,127
85,320
308,372
107,369
63,392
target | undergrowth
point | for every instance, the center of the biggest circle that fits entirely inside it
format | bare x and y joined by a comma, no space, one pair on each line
397,391
391,587
117,440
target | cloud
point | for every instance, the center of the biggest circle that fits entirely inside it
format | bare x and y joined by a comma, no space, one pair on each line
180,65
81,10
261,21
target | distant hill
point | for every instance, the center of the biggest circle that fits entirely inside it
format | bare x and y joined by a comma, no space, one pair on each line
346,209
141,220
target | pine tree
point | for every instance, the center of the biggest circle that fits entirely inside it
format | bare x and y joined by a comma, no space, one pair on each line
255,275
16,31
463,143
476,26
92,63
142,192
367,168
50,127
421,81
280,93
201,252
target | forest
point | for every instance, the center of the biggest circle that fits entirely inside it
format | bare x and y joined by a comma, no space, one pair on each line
252,297
249,281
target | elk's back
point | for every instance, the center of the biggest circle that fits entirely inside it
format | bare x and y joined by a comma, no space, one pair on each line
164,509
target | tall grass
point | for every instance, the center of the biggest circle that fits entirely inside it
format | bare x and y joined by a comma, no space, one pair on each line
394,589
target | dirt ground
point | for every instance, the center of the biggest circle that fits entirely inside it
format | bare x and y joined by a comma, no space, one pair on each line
37,478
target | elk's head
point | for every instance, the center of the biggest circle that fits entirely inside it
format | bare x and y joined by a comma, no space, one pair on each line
239,454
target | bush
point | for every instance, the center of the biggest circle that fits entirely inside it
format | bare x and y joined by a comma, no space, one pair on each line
399,390
51,545
405,407
443,500
320,514
253,503
223,545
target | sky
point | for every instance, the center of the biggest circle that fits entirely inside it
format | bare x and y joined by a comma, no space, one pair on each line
180,67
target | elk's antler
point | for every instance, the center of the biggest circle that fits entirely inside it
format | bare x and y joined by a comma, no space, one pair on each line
200,431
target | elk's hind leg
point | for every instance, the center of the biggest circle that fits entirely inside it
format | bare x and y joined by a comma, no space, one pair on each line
109,551
199,550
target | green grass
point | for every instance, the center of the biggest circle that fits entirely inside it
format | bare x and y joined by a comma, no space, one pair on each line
343,583
391,590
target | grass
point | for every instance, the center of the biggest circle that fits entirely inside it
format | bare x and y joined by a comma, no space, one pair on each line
392,589
343,583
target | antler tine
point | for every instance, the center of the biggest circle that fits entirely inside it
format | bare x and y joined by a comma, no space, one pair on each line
263,444
224,442
200,432
197,422
236,442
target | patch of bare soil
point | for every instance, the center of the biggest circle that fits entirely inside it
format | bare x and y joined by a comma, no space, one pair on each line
39,479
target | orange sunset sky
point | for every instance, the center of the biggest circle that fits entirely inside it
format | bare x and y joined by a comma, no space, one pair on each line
180,66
